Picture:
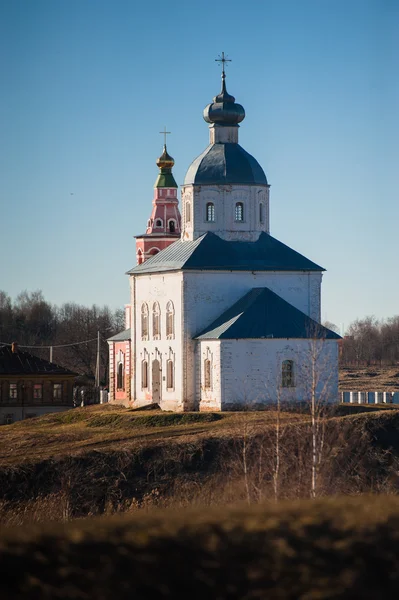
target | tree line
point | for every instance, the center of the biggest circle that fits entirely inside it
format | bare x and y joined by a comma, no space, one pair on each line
30,320
370,341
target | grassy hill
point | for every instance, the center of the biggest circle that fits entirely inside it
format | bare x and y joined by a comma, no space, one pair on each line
326,549
101,460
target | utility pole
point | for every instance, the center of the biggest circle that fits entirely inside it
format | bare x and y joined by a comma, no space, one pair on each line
98,360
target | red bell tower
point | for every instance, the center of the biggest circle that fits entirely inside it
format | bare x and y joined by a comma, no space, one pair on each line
164,224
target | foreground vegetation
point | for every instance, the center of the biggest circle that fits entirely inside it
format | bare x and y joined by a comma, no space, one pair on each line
335,548
106,460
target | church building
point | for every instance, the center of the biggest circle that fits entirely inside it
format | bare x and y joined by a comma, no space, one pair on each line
221,313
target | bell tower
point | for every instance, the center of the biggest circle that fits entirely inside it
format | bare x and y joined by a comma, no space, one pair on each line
164,224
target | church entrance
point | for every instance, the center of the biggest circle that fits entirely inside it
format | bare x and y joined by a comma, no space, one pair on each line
156,381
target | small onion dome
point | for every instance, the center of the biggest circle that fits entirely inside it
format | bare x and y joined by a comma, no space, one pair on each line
165,161
224,110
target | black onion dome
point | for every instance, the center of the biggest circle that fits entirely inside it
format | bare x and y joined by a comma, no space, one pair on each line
224,110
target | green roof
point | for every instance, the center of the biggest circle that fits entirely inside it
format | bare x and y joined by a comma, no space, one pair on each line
165,180
121,336
263,314
210,252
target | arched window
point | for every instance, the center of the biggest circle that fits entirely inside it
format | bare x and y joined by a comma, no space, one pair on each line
120,380
144,374
210,212
188,212
172,226
261,212
170,321
287,373
139,257
169,375
156,321
207,374
144,321
158,223
239,212
153,251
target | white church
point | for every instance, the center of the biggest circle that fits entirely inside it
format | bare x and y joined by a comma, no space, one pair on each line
221,313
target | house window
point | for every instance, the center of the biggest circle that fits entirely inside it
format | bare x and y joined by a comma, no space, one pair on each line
120,380
239,212
261,212
57,391
207,374
170,321
13,393
37,391
156,321
188,212
144,374
144,321
172,226
169,375
287,373
210,212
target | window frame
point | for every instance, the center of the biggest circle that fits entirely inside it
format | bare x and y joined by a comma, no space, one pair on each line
144,321
144,374
170,321
239,212
188,211
288,374
120,377
210,214
170,374
37,386
57,387
14,387
156,321
207,374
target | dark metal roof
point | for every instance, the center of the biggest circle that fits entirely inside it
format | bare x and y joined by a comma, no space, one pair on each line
23,363
121,336
263,314
210,252
225,163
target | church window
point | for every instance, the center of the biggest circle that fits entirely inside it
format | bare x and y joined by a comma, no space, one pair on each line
207,374
120,380
13,392
188,212
171,226
239,211
287,373
170,321
37,391
261,217
158,223
210,212
169,375
57,391
153,251
144,321
156,321
144,374
139,257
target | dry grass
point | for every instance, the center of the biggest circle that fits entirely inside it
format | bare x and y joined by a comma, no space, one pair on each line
369,379
99,428
330,549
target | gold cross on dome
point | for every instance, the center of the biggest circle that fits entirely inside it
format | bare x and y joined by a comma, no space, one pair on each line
222,59
164,133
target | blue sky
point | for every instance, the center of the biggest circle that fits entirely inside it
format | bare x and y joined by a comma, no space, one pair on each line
88,84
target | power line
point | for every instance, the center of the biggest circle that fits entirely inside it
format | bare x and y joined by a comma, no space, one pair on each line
52,346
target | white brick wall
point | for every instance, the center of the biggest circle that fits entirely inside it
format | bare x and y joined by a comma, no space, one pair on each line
225,198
